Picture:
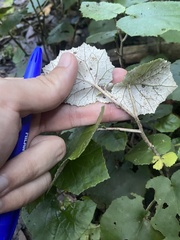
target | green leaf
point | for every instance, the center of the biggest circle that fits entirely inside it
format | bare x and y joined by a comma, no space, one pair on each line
101,11
175,69
102,37
167,159
176,144
68,4
101,31
161,111
151,18
122,182
141,154
171,36
10,22
144,87
48,221
62,32
6,3
167,196
80,139
6,7
92,233
127,3
127,219
168,123
77,142
19,55
111,140
85,172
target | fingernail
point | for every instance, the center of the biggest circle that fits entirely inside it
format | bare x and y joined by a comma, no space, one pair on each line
65,60
3,183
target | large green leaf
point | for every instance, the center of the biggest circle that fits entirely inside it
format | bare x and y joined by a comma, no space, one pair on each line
48,221
171,36
122,182
62,32
77,142
127,3
92,233
151,18
10,22
168,123
111,140
141,154
102,37
167,195
85,172
127,219
101,11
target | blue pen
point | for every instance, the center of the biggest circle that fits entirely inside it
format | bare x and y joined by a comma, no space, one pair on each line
8,221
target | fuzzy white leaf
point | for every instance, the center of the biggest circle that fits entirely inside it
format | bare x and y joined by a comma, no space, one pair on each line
94,69
145,87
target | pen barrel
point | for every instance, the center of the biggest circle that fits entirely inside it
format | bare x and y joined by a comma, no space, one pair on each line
8,227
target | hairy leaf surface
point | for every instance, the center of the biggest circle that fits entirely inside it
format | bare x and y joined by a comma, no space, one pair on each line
102,10
145,87
95,69
151,18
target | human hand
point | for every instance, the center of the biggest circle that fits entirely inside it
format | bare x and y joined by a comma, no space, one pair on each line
27,176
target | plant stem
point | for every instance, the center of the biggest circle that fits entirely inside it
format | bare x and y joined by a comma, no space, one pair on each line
150,205
19,45
143,135
134,115
119,129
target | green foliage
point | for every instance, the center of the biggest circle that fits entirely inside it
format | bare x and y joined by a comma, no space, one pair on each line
141,154
10,22
50,220
6,7
127,219
101,11
86,171
62,32
107,185
175,68
143,15
166,218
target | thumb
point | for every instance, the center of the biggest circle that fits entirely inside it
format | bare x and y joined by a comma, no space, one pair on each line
44,92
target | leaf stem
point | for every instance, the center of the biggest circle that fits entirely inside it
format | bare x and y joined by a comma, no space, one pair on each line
108,95
134,115
142,133
119,129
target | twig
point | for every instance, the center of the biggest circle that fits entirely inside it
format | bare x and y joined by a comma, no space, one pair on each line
41,27
120,129
150,205
19,45
143,135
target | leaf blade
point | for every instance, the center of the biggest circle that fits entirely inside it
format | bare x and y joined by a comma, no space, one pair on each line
101,11
149,84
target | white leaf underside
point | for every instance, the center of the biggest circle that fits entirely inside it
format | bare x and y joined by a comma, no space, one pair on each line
141,92
94,68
